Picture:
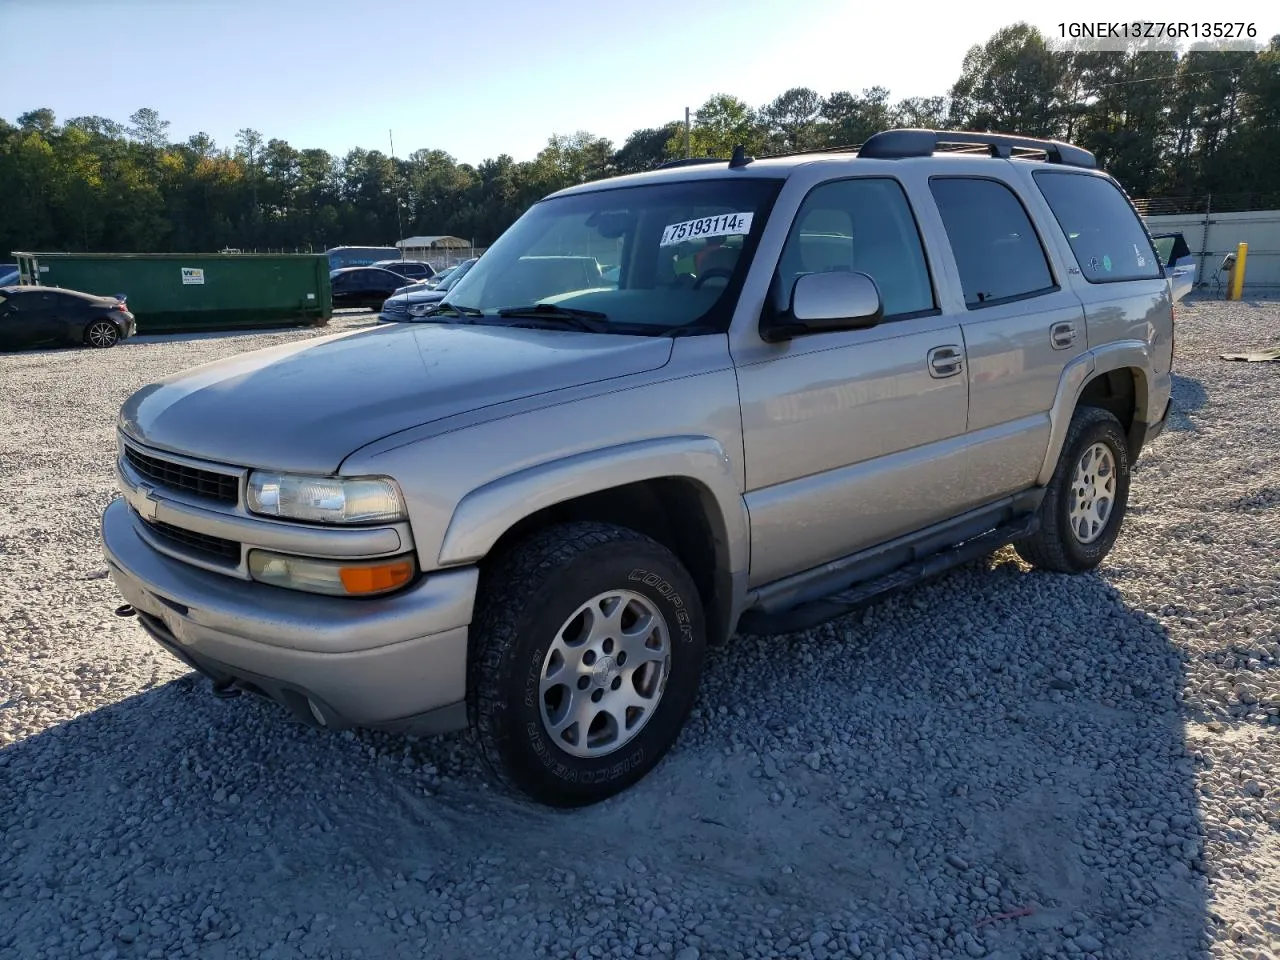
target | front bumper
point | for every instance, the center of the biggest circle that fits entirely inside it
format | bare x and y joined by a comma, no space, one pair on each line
397,662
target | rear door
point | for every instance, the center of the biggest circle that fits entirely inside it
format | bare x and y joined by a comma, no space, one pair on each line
1022,324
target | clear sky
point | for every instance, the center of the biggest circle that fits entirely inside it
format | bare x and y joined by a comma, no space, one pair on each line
489,77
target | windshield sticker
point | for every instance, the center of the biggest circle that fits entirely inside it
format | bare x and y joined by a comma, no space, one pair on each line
1106,264
1142,261
725,225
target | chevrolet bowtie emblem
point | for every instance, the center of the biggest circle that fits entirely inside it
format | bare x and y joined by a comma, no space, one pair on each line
149,503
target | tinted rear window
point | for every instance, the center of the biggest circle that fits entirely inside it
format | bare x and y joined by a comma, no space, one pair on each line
1109,241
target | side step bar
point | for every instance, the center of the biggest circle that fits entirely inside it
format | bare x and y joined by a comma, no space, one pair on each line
815,612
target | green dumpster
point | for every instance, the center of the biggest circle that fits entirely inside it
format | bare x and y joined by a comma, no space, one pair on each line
187,292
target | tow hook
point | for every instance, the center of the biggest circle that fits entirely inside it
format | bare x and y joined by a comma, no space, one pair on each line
126,610
226,689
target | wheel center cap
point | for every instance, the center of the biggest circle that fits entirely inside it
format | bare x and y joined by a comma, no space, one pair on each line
605,669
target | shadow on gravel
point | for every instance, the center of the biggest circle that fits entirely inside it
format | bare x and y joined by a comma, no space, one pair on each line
991,765
1188,396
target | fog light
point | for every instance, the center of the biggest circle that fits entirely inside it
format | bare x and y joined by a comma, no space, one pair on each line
345,578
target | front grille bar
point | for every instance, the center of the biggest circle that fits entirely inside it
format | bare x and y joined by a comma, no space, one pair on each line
208,484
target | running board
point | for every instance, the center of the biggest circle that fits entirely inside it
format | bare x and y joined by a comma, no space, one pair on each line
815,612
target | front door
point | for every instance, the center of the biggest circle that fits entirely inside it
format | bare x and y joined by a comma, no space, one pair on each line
853,438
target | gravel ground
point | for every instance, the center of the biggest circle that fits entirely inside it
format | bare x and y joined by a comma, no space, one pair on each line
1002,764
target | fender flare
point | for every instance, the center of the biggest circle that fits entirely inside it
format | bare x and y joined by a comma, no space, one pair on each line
1132,354
486,513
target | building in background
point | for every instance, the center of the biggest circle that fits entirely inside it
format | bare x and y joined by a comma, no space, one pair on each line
440,252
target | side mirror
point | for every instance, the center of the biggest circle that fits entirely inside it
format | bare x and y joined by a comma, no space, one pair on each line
826,303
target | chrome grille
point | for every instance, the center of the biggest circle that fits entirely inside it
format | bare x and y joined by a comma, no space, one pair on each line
209,484
212,548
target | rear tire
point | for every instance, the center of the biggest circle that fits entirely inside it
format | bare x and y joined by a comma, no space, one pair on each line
591,621
1085,502
101,334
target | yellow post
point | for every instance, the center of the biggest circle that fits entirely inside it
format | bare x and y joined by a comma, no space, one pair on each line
1237,272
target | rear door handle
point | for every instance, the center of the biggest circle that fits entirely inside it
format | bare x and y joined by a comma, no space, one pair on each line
945,361
1062,335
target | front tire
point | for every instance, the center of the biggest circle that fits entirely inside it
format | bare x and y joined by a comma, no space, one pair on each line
587,649
101,334
1086,499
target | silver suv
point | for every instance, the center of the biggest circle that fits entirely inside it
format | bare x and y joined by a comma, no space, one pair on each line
721,397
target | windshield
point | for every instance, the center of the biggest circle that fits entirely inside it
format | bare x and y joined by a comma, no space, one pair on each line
663,256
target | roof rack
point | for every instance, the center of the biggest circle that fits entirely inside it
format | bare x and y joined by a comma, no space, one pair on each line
841,148
689,162
897,144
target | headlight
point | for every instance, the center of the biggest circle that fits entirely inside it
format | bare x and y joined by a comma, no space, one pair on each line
325,499
421,309
343,578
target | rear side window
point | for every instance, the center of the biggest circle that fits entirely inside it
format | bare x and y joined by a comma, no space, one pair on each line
1109,241
997,250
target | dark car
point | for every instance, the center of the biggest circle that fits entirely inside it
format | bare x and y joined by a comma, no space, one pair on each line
51,316
363,286
409,269
411,303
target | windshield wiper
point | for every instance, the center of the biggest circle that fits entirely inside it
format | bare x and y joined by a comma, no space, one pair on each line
590,320
458,311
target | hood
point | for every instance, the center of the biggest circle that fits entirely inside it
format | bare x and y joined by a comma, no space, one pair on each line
306,406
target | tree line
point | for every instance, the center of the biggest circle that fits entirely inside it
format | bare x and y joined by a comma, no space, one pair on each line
1165,124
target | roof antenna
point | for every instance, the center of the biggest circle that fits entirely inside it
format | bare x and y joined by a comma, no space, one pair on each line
740,158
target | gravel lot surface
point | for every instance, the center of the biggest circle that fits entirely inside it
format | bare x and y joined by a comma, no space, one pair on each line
1002,764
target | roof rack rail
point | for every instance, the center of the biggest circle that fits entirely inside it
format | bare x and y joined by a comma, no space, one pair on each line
689,162
841,148
897,144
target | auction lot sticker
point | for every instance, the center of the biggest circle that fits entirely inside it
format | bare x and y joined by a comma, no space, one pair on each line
725,225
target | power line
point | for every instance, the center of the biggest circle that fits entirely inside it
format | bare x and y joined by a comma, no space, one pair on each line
1171,76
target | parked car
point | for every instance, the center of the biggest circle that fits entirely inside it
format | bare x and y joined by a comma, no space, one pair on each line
363,286
414,302
443,275
1179,263
409,269
51,316
558,494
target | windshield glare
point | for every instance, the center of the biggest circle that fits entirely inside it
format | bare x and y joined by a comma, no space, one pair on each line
662,255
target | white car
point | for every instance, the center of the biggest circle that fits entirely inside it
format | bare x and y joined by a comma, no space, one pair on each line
1179,263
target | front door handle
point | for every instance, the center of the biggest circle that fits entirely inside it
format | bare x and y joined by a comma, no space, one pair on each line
945,361
1062,335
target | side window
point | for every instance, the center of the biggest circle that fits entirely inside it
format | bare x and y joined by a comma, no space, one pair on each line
996,248
1109,241
863,225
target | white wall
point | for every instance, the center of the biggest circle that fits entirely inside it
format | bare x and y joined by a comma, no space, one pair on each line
1259,228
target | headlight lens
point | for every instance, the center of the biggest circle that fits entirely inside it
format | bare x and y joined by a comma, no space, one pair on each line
420,309
342,578
325,499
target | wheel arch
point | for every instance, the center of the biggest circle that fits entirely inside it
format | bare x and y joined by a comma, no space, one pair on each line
1114,378
679,491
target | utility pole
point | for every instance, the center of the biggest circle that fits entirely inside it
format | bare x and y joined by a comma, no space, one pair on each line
399,221
686,133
